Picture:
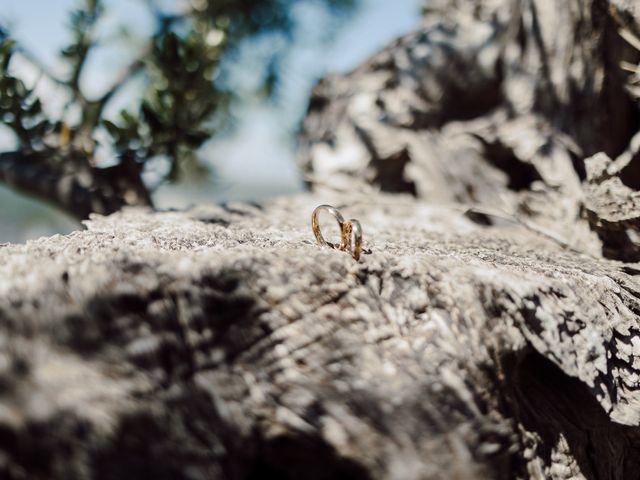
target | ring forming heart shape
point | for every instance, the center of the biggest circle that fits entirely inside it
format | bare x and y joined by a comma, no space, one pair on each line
350,231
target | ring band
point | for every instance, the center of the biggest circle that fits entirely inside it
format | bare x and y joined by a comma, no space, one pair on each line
356,230
315,225
350,232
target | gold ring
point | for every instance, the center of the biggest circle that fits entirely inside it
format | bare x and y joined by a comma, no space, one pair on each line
356,231
315,225
350,232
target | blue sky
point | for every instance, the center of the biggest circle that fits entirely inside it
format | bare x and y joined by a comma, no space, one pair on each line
256,160
40,26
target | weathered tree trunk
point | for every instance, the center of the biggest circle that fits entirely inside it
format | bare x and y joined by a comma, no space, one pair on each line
486,335
493,103
223,343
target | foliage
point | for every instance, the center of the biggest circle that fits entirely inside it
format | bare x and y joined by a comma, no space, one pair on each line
180,65
20,109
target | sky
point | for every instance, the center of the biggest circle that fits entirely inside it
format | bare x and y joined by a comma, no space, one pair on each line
253,162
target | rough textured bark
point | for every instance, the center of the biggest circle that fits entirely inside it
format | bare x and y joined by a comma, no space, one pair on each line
491,104
485,336
223,343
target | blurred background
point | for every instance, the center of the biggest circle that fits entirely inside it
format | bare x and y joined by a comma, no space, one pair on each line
265,73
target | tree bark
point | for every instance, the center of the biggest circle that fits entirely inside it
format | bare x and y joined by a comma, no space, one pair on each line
488,334
224,343
491,104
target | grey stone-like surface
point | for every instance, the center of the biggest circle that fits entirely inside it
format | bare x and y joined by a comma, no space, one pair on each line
485,336
490,103
223,343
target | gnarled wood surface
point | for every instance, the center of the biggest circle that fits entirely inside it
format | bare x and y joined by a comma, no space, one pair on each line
492,103
485,336
223,343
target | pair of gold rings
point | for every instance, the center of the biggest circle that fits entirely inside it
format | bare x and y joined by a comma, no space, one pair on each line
350,232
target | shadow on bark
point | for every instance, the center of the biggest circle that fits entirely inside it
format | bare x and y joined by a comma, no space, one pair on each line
569,422
289,458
